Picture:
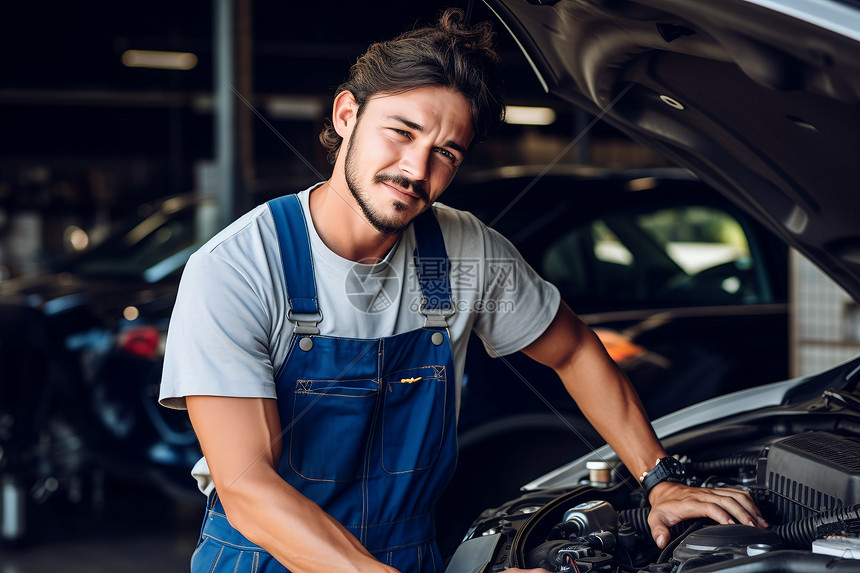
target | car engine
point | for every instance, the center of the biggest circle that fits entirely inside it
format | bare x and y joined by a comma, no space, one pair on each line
801,465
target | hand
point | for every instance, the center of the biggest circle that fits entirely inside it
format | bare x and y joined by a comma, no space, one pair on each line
672,503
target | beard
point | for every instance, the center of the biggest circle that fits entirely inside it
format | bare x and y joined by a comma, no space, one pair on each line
388,225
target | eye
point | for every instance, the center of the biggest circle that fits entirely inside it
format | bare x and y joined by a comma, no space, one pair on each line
446,154
402,133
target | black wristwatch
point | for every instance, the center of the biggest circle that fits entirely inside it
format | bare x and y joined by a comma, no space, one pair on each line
666,469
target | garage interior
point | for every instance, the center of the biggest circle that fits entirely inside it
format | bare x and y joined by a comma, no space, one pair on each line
95,127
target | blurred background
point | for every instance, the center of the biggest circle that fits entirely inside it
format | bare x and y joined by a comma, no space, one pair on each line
130,133
107,107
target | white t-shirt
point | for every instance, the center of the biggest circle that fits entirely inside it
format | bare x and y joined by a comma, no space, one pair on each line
229,333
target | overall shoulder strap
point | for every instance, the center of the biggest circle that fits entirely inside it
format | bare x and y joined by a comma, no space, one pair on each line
433,268
295,249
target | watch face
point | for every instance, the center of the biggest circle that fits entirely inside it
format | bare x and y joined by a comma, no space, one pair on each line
674,467
666,469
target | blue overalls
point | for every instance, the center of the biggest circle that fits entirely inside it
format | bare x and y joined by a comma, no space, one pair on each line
370,432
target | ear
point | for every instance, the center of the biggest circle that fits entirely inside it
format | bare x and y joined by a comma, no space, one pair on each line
344,113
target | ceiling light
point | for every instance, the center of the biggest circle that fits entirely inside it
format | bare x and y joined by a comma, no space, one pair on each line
642,184
672,102
523,115
130,313
288,107
159,60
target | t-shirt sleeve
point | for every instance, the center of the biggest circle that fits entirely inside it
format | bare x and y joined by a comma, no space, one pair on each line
517,304
218,337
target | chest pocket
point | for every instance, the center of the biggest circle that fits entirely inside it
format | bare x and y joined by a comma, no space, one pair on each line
332,426
413,418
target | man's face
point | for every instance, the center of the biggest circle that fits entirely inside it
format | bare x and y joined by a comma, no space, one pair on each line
404,151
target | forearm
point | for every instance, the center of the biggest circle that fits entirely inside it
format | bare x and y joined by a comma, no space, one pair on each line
601,389
240,438
295,530
606,397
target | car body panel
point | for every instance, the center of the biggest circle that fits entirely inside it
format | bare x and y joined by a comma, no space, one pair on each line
702,413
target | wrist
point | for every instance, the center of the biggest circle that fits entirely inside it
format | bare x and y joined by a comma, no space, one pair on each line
666,469
658,491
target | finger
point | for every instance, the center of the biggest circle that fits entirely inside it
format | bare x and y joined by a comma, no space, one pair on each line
722,509
740,505
743,498
659,531
726,509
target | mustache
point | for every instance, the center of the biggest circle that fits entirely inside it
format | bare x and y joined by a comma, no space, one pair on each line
403,181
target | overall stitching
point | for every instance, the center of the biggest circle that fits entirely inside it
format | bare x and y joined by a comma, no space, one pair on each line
365,478
433,558
217,558
200,545
224,543
405,519
228,544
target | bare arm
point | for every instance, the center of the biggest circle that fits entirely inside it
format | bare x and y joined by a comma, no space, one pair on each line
241,439
611,405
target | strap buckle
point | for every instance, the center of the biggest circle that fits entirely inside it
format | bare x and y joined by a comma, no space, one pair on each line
436,318
305,323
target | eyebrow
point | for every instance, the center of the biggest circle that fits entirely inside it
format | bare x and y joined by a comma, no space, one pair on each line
420,129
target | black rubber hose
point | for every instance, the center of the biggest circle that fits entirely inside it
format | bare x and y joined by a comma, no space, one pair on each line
802,532
723,464
636,518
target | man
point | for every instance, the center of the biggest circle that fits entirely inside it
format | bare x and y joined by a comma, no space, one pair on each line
328,427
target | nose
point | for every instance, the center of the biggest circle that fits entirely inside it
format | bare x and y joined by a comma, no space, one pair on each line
415,163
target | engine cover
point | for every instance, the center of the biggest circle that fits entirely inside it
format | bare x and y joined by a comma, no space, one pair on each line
733,541
812,472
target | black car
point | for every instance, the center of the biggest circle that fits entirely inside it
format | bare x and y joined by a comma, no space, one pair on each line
762,101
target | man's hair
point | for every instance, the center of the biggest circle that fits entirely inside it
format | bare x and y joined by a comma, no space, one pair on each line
449,54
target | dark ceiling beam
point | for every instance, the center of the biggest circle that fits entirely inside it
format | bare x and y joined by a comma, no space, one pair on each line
277,106
101,98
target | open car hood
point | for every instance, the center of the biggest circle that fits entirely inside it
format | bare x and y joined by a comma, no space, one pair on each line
761,99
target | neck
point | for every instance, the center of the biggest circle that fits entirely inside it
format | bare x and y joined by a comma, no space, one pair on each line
342,226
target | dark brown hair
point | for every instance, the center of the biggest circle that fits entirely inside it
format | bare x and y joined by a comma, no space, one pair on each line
449,54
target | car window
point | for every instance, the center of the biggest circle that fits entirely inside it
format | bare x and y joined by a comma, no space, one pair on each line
687,254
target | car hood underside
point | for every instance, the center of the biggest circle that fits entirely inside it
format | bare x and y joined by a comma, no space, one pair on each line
760,99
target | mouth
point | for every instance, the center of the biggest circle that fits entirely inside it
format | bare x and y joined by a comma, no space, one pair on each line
404,193
403,188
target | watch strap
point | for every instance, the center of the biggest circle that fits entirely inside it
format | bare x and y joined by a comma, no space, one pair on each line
666,469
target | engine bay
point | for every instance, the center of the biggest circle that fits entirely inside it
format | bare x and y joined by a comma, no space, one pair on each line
800,463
